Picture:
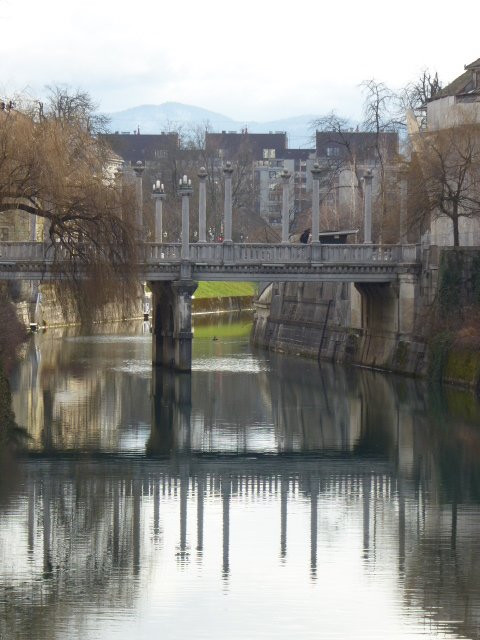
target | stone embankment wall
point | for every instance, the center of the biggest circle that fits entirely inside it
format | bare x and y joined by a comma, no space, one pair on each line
48,312
226,305
454,344
323,321
427,326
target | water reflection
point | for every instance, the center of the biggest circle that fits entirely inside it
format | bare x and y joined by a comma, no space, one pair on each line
276,485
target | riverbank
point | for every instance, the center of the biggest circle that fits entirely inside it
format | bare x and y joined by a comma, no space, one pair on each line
363,326
225,297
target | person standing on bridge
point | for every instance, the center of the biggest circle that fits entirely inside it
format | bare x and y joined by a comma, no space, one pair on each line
304,238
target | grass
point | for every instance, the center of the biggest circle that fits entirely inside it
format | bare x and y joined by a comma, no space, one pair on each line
225,290
231,330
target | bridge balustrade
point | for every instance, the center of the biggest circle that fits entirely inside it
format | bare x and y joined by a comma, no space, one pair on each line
245,254
242,254
22,250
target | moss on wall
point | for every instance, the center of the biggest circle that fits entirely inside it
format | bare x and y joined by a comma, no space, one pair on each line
438,348
450,281
462,366
7,417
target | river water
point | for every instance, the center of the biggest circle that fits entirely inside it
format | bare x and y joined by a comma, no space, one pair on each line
260,497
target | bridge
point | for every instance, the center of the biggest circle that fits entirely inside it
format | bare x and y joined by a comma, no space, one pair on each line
173,270
235,261
385,275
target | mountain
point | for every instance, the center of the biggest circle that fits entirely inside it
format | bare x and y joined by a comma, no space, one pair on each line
172,115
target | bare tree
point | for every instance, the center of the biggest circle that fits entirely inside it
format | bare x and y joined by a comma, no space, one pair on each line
419,92
445,176
73,106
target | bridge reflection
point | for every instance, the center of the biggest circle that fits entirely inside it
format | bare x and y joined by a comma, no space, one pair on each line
128,473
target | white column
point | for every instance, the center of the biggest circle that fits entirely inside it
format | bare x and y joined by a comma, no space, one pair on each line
403,239
185,191
202,205
158,195
139,168
227,172
367,229
285,176
33,227
316,171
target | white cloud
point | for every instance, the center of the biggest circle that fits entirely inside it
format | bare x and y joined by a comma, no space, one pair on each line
250,60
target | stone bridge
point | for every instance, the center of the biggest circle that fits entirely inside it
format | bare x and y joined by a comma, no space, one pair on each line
386,276
234,262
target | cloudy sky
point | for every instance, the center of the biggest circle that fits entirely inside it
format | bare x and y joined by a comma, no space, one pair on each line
250,60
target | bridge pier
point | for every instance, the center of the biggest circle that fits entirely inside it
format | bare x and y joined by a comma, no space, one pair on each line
172,324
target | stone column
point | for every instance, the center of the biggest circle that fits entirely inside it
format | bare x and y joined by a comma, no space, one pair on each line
183,290
227,232
185,191
202,205
33,228
285,176
139,168
158,195
316,171
403,206
367,222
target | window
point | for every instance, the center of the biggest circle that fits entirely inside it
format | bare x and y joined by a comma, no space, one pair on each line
333,151
272,174
4,234
268,153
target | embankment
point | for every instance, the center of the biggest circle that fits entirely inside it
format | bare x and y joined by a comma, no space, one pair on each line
217,297
364,326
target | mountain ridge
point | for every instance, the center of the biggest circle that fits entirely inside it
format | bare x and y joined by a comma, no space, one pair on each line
154,119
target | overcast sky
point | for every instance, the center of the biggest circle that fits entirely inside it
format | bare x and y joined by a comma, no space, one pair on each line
250,60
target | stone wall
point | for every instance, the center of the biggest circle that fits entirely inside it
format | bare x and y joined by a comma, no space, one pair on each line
425,324
324,321
48,312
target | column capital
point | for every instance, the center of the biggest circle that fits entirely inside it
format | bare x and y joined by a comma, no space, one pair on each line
368,175
184,191
139,168
228,170
184,287
285,175
316,171
202,174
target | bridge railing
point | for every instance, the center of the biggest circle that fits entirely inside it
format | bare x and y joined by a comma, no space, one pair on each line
241,254
22,251
245,254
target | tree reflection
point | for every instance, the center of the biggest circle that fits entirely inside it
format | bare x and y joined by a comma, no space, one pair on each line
89,520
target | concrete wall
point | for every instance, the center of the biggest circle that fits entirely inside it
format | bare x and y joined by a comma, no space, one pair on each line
373,325
447,112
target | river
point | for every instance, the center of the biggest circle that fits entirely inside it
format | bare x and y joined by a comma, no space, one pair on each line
261,497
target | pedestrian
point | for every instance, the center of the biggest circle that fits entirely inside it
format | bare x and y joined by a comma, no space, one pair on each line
305,236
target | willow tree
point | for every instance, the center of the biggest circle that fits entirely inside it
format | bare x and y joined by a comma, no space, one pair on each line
55,169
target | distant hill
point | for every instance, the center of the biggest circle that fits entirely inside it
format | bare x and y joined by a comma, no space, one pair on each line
172,115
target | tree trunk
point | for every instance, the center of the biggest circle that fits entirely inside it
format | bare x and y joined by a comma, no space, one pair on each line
456,237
